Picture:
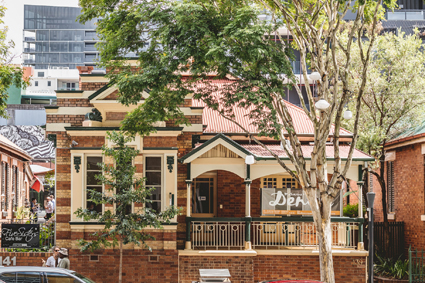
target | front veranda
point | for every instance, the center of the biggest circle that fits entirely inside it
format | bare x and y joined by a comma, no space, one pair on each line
234,206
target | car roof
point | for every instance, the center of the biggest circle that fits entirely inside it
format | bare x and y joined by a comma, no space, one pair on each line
33,269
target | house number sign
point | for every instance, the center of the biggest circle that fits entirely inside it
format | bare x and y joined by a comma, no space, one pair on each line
7,261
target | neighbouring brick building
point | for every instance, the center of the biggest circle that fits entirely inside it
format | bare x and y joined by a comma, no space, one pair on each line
226,221
16,178
405,181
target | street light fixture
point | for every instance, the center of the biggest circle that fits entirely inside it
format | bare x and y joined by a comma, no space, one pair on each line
322,104
348,115
370,201
315,76
249,159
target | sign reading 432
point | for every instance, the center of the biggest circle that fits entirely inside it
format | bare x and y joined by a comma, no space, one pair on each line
7,261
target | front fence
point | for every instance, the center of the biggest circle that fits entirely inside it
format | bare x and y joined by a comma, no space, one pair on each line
269,233
416,265
396,237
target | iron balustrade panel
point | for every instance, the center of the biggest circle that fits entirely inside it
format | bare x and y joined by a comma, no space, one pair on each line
269,233
218,235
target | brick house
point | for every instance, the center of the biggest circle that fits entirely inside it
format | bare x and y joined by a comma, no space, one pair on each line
226,221
16,178
405,179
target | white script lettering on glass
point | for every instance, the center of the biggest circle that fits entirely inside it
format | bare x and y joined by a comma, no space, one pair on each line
281,199
22,233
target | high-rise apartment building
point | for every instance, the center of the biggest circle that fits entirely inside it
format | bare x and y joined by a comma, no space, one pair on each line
54,39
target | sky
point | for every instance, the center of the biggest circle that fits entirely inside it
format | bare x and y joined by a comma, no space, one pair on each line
14,19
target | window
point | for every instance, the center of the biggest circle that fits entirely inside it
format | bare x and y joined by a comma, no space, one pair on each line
28,277
390,185
40,74
3,184
15,174
92,170
203,196
36,83
8,277
49,83
7,176
60,278
153,173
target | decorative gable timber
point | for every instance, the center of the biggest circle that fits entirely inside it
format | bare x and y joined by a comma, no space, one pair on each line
219,151
206,147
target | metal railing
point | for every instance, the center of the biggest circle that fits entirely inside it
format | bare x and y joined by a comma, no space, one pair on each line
269,233
218,234
301,234
416,265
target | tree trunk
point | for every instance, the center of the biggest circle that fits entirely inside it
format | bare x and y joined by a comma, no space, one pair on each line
324,230
322,221
120,275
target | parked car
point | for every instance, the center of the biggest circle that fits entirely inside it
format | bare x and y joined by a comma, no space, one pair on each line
291,281
34,274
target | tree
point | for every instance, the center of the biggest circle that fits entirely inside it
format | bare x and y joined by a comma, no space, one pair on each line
392,101
9,74
122,189
227,38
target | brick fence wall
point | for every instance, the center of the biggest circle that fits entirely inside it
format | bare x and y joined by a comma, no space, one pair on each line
138,265
268,267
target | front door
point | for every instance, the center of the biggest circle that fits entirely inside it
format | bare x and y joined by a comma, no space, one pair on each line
204,196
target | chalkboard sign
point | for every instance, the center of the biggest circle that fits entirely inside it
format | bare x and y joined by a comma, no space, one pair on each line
20,236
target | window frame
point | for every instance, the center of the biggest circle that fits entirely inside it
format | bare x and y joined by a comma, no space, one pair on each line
115,190
86,156
162,201
390,187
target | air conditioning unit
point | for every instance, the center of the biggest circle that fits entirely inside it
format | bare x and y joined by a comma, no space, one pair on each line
214,275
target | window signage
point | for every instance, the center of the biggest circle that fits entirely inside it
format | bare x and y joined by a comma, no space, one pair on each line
289,201
20,235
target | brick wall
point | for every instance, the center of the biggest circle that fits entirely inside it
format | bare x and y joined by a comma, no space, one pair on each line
409,202
89,141
92,85
112,96
75,120
347,269
230,194
160,142
138,265
260,268
193,119
115,116
74,102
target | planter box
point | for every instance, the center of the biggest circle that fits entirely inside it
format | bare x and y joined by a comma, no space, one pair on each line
377,279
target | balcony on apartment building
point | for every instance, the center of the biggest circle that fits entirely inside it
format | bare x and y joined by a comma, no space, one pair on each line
405,15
